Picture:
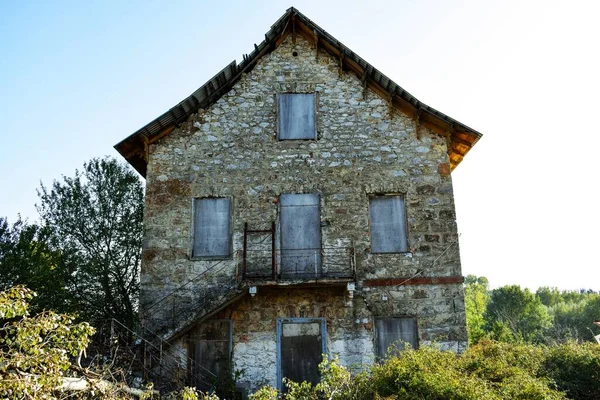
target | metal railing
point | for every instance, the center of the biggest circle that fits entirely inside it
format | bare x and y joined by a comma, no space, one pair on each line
141,358
299,264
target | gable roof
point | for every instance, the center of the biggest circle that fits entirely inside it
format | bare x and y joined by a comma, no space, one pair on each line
461,138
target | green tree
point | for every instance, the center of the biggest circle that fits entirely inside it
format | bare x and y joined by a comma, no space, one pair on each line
96,217
519,310
573,313
549,296
476,300
28,257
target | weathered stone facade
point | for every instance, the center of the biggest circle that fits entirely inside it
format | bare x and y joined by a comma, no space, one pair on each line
363,148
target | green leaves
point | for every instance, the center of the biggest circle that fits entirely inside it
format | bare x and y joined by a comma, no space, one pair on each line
487,371
14,302
96,219
520,310
35,351
476,300
28,256
513,314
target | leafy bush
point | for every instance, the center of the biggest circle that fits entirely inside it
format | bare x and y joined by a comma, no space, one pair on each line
265,393
35,352
575,368
427,373
488,371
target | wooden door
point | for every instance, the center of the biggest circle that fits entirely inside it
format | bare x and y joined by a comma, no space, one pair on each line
301,345
211,350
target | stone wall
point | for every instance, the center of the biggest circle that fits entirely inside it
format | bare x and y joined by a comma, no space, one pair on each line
363,148
254,342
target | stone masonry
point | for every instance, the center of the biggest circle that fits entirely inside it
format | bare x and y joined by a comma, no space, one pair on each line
363,148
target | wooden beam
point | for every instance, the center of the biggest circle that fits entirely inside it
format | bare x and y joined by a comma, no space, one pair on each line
161,134
316,38
294,29
458,140
341,70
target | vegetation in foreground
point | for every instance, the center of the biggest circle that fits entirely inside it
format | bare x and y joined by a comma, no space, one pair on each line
38,360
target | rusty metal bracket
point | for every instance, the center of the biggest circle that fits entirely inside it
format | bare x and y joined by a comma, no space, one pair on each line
316,35
294,29
390,101
448,135
364,79
418,121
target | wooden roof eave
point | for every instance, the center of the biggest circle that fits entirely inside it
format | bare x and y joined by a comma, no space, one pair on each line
134,147
398,97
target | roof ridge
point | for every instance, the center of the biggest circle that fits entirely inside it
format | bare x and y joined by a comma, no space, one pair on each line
461,137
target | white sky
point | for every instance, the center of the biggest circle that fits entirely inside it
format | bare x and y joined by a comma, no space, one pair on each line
77,77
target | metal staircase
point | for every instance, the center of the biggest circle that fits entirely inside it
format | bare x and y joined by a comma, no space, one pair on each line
149,352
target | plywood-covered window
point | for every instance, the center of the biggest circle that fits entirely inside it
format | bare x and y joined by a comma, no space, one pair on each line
392,334
296,114
212,227
387,218
300,230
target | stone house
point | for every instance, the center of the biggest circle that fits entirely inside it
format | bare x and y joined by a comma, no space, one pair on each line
298,204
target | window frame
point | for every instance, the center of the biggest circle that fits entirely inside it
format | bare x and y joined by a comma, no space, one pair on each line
315,116
376,332
229,255
404,222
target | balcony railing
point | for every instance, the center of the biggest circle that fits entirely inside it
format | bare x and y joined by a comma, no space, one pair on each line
328,263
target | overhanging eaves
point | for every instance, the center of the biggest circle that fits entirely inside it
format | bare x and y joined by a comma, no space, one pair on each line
460,137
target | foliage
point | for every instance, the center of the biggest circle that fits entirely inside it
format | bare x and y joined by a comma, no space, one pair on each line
427,373
519,310
189,393
549,296
476,300
511,370
29,257
487,371
265,393
512,314
575,368
35,351
96,217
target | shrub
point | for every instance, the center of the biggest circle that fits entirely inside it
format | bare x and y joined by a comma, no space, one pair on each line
427,373
575,368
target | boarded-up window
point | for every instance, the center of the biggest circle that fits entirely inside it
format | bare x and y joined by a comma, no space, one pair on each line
212,227
300,229
393,333
296,116
388,224
211,344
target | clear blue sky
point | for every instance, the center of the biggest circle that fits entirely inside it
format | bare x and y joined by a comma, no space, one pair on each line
77,77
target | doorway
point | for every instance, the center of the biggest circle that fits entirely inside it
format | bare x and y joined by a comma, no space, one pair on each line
301,343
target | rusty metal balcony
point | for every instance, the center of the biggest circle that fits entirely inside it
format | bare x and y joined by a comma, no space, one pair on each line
263,263
328,264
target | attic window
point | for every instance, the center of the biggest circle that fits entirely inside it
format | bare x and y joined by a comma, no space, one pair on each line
296,116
